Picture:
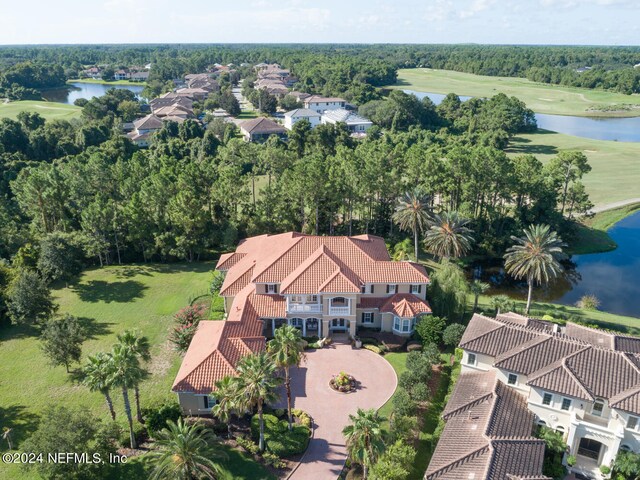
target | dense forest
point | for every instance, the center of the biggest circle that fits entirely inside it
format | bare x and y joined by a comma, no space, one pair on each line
337,69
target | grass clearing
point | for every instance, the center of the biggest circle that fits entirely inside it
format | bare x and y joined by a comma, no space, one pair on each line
540,97
114,298
48,110
615,166
398,362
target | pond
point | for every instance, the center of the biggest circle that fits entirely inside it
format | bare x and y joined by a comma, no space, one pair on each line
78,90
610,276
614,129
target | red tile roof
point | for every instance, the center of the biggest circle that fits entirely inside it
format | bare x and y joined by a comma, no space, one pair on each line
405,305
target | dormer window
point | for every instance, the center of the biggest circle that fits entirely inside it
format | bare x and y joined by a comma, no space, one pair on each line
272,288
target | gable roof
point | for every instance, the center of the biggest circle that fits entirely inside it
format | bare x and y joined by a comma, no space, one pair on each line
342,115
302,112
321,99
487,434
150,122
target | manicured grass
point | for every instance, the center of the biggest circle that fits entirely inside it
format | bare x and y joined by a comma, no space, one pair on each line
615,168
248,114
114,299
49,110
540,97
398,362
604,320
592,234
104,82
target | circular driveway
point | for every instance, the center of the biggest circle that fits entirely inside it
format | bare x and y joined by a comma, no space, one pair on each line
330,410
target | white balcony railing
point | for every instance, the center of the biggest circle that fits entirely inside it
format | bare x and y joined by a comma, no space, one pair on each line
305,308
339,310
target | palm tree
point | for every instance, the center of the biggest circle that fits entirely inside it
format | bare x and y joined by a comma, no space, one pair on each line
412,214
287,350
96,377
449,236
402,250
125,372
364,438
477,288
140,348
535,257
257,383
185,452
226,394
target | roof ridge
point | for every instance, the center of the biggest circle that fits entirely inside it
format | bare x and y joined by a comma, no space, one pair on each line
466,406
534,342
295,240
458,461
625,355
575,378
547,368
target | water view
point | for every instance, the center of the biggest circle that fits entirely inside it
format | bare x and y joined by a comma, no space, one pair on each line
614,129
78,90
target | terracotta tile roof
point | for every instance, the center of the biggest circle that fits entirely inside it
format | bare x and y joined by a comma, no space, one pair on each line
628,400
371,302
570,363
228,260
405,305
487,433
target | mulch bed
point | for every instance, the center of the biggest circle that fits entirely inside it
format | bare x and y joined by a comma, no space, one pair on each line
393,342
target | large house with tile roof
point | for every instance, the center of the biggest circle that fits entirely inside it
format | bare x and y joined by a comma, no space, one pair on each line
578,380
321,285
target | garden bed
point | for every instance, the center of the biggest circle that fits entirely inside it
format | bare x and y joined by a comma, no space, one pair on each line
343,383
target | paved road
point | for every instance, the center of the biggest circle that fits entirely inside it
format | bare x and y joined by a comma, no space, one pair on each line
611,206
330,410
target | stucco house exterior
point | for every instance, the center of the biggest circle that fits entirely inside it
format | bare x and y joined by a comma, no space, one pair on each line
294,116
577,380
321,285
321,104
355,123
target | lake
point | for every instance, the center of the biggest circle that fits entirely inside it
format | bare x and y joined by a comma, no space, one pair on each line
610,276
597,128
78,90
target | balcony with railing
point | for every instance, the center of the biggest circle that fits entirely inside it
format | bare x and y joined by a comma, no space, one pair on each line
339,306
304,304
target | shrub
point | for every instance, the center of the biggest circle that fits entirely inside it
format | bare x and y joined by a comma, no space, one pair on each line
278,439
248,445
279,412
571,460
413,346
368,341
452,334
181,336
395,463
403,405
373,348
313,345
420,392
216,282
190,314
311,339
139,431
274,460
605,469
588,302
155,419
403,428
429,328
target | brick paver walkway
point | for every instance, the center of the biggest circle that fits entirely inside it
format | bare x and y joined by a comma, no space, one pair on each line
330,410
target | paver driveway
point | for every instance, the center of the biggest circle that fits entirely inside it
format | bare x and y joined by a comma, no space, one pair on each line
330,410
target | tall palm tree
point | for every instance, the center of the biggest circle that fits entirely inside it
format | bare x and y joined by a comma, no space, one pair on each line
185,452
535,257
125,372
257,384
449,235
287,350
364,437
477,288
140,348
412,214
227,394
96,377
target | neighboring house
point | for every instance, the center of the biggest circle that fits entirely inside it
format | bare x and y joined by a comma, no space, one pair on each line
196,94
487,435
260,129
300,96
121,75
93,72
321,285
580,381
321,104
139,76
355,123
294,116
174,111
143,128
160,102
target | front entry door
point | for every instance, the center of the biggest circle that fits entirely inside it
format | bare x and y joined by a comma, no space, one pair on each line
590,448
339,325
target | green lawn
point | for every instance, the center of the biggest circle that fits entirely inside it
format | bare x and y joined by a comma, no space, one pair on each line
611,321
104,82
248,114
49,110
398,362
144,297
540,97
615,166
